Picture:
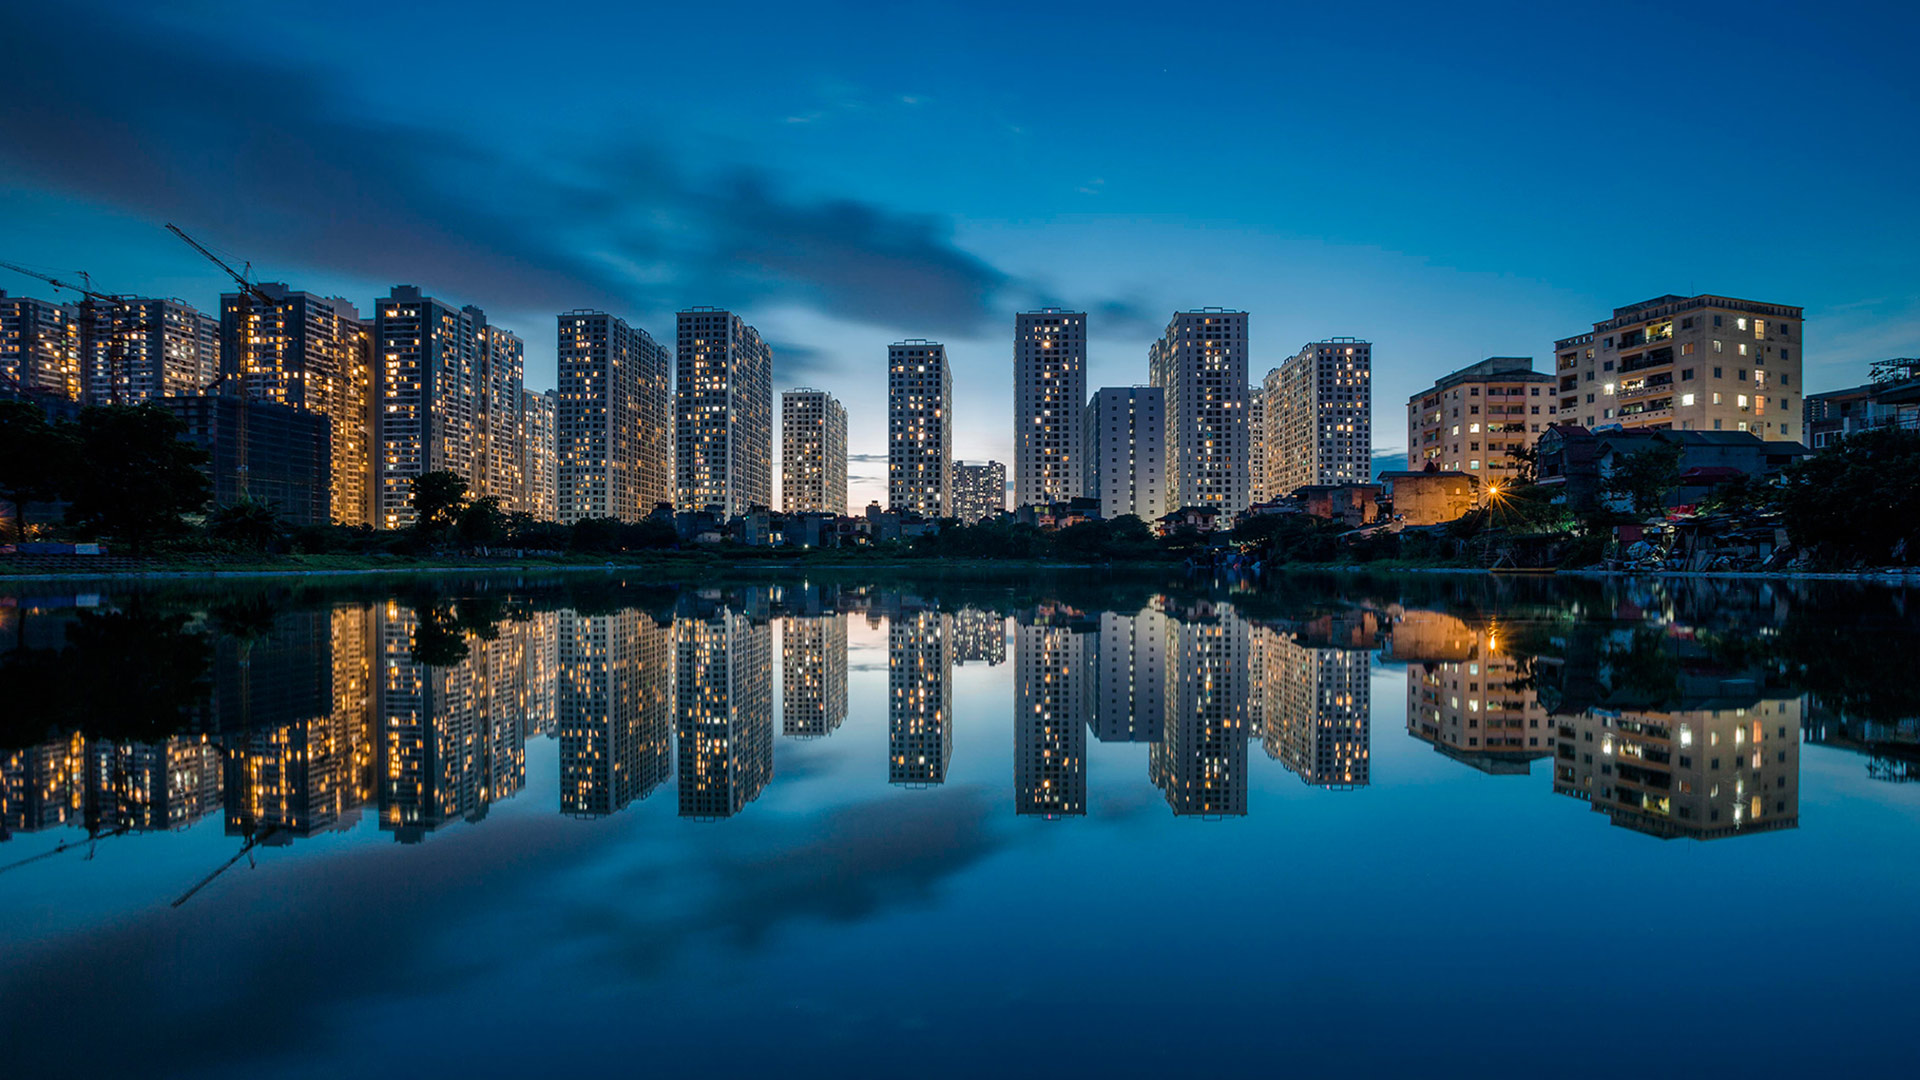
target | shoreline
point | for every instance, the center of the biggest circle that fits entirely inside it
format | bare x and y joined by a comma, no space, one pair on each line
703,568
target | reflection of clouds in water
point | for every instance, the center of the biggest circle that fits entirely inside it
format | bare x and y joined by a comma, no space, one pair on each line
303,936
379,921
842,866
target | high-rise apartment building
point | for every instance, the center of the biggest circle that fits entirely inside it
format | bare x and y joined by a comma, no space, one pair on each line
315,354
723,414
1123,432
40,347
813,453
430,359
1474,419
1200,363
610,419
540,465
498,469
1049,390
979,491
919,428
135,350
1257,444
1318,417
1690,363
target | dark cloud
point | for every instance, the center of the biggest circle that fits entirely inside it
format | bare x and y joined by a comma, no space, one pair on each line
798,365
262,159
868,458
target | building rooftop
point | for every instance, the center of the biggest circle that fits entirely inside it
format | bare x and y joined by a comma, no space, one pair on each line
1502,368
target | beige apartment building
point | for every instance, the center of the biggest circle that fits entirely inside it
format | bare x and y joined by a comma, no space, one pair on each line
1472,420
1698,363
1469,698
1703,773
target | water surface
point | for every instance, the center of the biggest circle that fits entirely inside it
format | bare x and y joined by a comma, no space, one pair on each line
979,826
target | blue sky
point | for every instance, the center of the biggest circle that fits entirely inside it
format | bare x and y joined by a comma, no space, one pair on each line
1450,182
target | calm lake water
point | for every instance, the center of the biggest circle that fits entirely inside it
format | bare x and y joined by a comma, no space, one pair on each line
1015,826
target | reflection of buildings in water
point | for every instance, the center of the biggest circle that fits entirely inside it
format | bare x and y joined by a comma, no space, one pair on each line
723,701
979,637
1891,747
1317,707
919,697
1201,764
520,673
1467,698
304,775
813,675
1129,696
1052,706
444,751
614,709
108,785
1729,767
44,786
143,786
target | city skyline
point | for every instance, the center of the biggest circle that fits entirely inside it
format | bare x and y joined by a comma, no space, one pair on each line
1436,272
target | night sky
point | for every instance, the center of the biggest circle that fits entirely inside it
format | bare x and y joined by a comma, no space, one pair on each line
1449,181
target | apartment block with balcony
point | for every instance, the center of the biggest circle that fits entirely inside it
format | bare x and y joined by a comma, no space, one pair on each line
136,350
40,347
979,490
1474,419
1689,363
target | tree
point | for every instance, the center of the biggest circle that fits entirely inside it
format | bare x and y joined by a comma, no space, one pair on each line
134,477
1645,477
481,522
248,522
1859,500
437,501
32,456
1526,464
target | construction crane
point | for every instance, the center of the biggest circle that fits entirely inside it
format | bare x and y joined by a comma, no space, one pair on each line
116,347
238,363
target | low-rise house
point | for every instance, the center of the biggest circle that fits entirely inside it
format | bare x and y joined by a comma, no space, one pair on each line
1431,497
1578,462
1201,518
1353,505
